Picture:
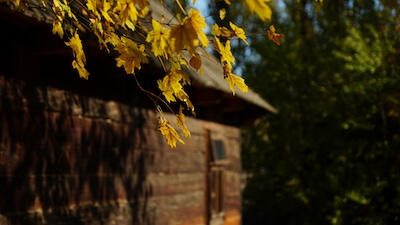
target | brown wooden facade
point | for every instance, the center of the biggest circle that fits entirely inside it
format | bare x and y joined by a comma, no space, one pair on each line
89,152
71,159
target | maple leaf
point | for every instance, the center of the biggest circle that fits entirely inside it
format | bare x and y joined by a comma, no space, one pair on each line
68,10
113,39
260,7
171,85
58,10
220,31
222,13
168,93
189,32
170,134
57,28
128,13
225,52
238,32
104,11
80,67
159,39
273,36
131,55
184,36
198,22
183,96
92,6
180,120
165,86
75,44
61,8
234,80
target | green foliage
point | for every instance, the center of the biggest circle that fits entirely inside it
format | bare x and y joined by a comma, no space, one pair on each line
331,156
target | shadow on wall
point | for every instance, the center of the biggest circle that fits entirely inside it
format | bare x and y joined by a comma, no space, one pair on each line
64,161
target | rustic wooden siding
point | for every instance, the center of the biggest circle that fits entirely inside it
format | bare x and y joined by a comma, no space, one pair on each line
70,159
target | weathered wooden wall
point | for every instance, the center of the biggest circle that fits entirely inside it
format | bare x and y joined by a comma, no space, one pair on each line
66,158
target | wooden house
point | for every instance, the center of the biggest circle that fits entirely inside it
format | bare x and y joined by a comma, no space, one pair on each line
89,152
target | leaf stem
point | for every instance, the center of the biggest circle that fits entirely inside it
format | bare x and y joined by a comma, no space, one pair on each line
181,7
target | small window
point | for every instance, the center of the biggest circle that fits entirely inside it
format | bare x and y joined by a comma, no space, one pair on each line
218,150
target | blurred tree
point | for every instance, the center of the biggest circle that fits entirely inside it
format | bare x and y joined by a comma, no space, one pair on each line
331,156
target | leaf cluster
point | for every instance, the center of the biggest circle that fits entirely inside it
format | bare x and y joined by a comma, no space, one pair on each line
127,28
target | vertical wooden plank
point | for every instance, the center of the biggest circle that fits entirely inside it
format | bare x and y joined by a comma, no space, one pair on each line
207,175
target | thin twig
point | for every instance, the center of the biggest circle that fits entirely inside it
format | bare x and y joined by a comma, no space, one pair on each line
181,7
152,94
162,64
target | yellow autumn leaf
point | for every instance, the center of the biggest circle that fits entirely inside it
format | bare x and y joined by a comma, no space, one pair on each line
220,31
128,14
92,6
273,36
170,85
80,67
272,28
160,40
183,96
184,36
225,52
215,30
75,44
260,7
238,32
105,9
176,77
131,55
170,134
222,13
227,2
68,10
234,80
199,23
113,39
58,10
58,29
180,120
189,32
167,92
97,26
